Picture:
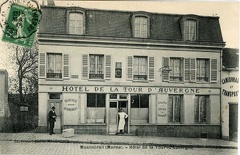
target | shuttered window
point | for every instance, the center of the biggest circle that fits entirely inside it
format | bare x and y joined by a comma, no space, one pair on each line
42,66
140,68
93,66
141,27
203,69
176,69
54,65
129,68
214,72
151,75
66,67
76,23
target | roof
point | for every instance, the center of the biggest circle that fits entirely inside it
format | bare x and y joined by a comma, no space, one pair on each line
230,58
118,24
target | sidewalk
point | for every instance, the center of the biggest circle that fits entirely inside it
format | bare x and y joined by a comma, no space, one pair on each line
120,140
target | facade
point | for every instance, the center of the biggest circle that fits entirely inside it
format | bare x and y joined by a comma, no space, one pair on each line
230,91
4,108
162,69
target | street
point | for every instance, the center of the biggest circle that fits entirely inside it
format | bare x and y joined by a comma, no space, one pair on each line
30,148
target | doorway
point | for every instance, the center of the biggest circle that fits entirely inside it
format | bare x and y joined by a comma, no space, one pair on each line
233,122
58,123
114,107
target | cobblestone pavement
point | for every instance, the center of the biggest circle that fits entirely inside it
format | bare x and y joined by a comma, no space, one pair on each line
31,148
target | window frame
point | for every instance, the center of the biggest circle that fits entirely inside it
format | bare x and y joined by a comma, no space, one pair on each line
207,70
134,26
75,10
196,101
185,19
96,65
146,68
173,107
47,65
181,77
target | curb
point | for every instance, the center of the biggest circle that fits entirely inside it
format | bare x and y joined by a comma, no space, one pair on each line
125,143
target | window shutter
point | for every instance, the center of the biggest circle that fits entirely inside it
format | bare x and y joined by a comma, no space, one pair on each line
66,67
42,65
108,64
85,66
129,68
151,68
187,69
165,75
214,70
192,70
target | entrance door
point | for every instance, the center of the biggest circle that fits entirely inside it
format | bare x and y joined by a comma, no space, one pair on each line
58,123
233,122
113,115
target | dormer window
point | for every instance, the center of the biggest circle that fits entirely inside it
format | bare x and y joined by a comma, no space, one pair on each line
141,26
190,30
76,22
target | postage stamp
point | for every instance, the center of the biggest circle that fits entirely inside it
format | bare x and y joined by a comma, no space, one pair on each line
21,25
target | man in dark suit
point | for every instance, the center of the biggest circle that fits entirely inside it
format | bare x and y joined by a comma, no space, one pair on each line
52,119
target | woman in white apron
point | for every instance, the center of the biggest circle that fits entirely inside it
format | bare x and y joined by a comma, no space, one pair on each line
121,123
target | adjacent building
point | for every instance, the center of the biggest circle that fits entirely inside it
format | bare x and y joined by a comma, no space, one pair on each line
230,91
164,70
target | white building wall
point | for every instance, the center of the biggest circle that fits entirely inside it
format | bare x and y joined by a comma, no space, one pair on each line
226,99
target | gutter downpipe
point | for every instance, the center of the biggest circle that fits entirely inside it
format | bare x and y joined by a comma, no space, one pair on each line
221,92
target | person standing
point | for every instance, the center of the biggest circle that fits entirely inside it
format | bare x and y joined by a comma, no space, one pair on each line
52,119
121,123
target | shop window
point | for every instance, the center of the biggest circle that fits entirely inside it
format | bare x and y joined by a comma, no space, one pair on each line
200,109
203,68
174,108
96,108
139,108
76,23
54,96
141,26
190,30
54,65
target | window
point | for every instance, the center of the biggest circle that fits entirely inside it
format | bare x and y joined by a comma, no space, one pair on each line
96,67
200,109
54,65
174,108
140,68
140,27
54,96
139,108
176,69
96,108
76,22
190,30
203,70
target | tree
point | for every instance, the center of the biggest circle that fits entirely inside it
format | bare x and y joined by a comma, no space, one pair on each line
26,67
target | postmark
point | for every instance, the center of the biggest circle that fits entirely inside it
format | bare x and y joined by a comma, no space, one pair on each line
21,23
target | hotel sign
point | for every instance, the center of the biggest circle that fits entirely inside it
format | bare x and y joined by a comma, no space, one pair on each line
109,89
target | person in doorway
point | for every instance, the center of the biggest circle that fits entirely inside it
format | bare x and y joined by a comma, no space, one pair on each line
121,123
52,119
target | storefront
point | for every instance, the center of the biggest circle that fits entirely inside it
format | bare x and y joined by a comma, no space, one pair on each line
151,110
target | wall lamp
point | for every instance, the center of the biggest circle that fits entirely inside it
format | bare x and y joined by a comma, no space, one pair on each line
164,69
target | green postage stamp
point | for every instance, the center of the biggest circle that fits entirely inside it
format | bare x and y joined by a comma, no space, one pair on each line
21,25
